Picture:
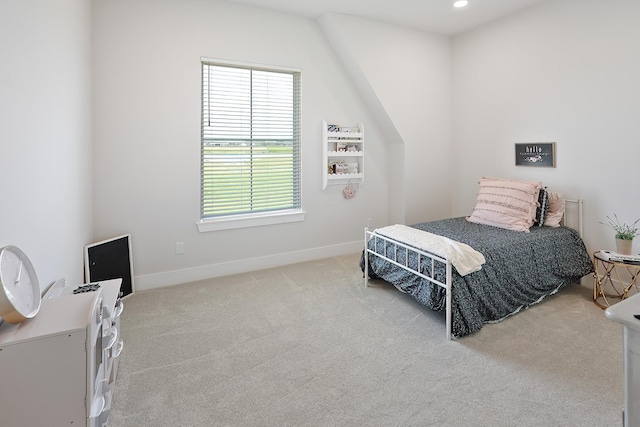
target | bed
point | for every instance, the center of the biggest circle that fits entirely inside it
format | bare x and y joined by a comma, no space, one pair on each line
513,270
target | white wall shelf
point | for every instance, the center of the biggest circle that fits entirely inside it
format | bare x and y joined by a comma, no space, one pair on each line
342,154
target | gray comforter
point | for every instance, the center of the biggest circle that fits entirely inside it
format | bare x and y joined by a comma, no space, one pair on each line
521,269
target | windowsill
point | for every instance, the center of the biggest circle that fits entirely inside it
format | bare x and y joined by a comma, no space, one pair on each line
252,220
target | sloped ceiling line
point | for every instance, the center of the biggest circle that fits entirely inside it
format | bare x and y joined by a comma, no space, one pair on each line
332,33
397,198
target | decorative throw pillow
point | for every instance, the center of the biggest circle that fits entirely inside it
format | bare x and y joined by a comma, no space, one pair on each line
508,204
543,207
556,209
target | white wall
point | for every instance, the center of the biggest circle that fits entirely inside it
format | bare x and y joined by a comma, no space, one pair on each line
147,137
407,74
564,71
45,133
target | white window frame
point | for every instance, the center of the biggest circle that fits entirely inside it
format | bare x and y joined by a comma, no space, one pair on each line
242,220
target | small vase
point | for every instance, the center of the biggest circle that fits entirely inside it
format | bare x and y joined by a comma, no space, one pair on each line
624,246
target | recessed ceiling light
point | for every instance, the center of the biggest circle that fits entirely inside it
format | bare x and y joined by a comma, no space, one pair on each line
460,3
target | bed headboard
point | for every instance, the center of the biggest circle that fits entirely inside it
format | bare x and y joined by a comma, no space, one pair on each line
573,215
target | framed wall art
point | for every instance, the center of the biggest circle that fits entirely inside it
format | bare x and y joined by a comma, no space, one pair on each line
540,154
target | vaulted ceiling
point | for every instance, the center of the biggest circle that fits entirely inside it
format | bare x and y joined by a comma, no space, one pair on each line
436,16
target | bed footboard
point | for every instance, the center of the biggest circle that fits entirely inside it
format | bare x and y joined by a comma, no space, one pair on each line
425,266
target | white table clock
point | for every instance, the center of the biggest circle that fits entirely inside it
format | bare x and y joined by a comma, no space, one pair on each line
20,295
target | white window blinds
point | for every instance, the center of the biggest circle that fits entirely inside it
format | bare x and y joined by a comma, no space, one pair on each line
250,161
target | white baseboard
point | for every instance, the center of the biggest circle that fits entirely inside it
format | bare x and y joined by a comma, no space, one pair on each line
175,277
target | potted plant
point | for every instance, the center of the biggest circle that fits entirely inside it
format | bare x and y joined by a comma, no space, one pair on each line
624,233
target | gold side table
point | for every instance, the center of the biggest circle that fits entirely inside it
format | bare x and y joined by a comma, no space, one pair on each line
612,280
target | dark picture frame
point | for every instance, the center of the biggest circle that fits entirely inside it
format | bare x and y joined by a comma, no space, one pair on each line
536,154
110,259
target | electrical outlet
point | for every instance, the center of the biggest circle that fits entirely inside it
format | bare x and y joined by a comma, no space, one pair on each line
179,248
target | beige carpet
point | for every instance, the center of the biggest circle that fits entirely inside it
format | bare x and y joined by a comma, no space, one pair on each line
308,345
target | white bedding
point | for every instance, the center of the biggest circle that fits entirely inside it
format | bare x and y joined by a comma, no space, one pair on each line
463,257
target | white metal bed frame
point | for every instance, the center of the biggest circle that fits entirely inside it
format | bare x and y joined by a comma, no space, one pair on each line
423,257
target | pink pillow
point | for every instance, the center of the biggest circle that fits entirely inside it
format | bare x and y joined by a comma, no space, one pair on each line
556,209
505,203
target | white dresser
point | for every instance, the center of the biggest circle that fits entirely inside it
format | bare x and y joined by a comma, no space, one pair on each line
58,368
623,313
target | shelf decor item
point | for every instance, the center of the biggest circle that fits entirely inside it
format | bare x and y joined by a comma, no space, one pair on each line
349,191
624,233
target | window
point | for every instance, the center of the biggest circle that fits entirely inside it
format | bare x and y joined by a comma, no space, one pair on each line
250,144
